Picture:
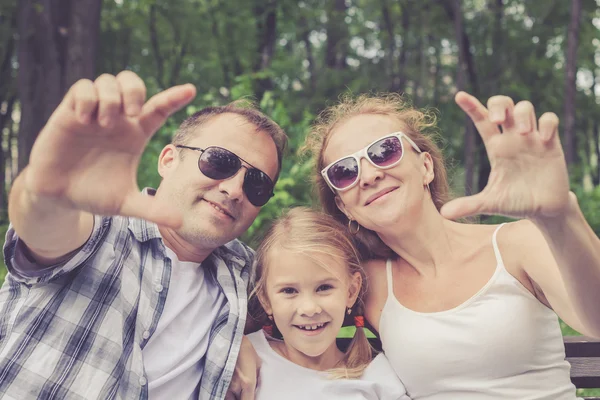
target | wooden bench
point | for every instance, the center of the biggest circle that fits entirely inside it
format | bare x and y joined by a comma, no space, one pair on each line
582,352
584,355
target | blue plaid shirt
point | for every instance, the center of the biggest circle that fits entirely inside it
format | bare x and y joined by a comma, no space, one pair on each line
77,330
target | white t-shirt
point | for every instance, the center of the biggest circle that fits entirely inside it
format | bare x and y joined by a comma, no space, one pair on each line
174,355
282,379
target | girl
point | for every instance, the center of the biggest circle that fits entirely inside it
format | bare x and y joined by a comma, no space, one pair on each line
308,279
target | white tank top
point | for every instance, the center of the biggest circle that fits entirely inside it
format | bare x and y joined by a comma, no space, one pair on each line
502,343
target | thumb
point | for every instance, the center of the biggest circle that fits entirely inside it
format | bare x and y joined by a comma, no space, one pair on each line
151,209
463,207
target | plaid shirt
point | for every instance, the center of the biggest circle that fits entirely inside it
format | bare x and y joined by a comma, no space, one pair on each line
77,330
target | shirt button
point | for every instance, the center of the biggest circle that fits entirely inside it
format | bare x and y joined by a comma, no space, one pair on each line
158,288
146,334
143,381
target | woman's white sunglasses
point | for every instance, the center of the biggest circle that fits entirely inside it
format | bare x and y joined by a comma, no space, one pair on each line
383,153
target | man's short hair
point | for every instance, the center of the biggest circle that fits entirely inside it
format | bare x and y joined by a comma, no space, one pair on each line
244,108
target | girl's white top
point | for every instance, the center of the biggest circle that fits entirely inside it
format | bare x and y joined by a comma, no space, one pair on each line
282,379
502,343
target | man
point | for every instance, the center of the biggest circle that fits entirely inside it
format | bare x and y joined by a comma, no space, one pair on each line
113,293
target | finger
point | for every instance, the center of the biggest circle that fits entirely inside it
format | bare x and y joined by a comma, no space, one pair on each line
500,109
109,99
156,111
478,114
463,207
151,209
234,391
82,98
525,118
248,393
134,92
548,127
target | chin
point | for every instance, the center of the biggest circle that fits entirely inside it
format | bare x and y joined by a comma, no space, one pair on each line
311,351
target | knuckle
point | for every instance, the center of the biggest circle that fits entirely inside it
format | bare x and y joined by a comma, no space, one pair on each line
127,74
550,117
500,100
524,106
110,100
105,78
82,84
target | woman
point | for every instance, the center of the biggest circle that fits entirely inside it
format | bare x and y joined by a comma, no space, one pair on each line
463,311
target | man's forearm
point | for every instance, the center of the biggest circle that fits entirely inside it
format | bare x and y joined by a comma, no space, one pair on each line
48,228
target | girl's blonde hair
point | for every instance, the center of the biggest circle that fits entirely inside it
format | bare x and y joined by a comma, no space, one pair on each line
315,234
419,125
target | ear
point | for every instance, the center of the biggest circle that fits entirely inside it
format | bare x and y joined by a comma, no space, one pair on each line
264,302
167,159
428,170
354,289
342,207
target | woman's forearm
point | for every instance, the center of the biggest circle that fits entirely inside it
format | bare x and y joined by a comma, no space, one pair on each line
576,249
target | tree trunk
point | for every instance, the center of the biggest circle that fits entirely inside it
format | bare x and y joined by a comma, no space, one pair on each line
570,88
337,35
217,37
83,35
399,81
158,58
435,74
309,55
595,134
57,45
5,120
265,14
454,10
497,9
391,39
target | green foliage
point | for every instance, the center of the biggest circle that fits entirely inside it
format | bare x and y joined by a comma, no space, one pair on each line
589,202
228,52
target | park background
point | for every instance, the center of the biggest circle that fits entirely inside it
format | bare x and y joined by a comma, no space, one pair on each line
295,57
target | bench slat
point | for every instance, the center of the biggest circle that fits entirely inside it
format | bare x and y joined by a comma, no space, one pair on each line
585,372
582,346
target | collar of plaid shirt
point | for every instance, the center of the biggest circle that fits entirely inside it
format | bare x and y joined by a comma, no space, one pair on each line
77,330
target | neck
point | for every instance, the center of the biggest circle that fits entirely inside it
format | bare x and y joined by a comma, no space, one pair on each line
183,250
325,361
429,243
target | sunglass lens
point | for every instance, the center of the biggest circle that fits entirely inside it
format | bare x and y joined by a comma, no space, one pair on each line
343,173
386,151
258,187
218,163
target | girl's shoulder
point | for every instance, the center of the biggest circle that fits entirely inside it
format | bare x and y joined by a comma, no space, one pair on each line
259,342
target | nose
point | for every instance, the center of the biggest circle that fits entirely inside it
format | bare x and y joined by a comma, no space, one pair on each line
308,306
233,186
369,174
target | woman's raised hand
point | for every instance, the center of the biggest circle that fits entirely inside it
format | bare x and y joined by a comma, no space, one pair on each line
529,177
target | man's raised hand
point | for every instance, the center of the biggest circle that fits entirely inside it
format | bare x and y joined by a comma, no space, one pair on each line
87,155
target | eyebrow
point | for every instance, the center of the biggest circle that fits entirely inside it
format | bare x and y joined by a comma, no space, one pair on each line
289,283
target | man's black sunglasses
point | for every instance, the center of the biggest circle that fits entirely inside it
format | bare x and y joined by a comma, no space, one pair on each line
219,163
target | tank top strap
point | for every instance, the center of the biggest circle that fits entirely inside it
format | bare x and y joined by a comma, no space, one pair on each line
390,281
495,244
